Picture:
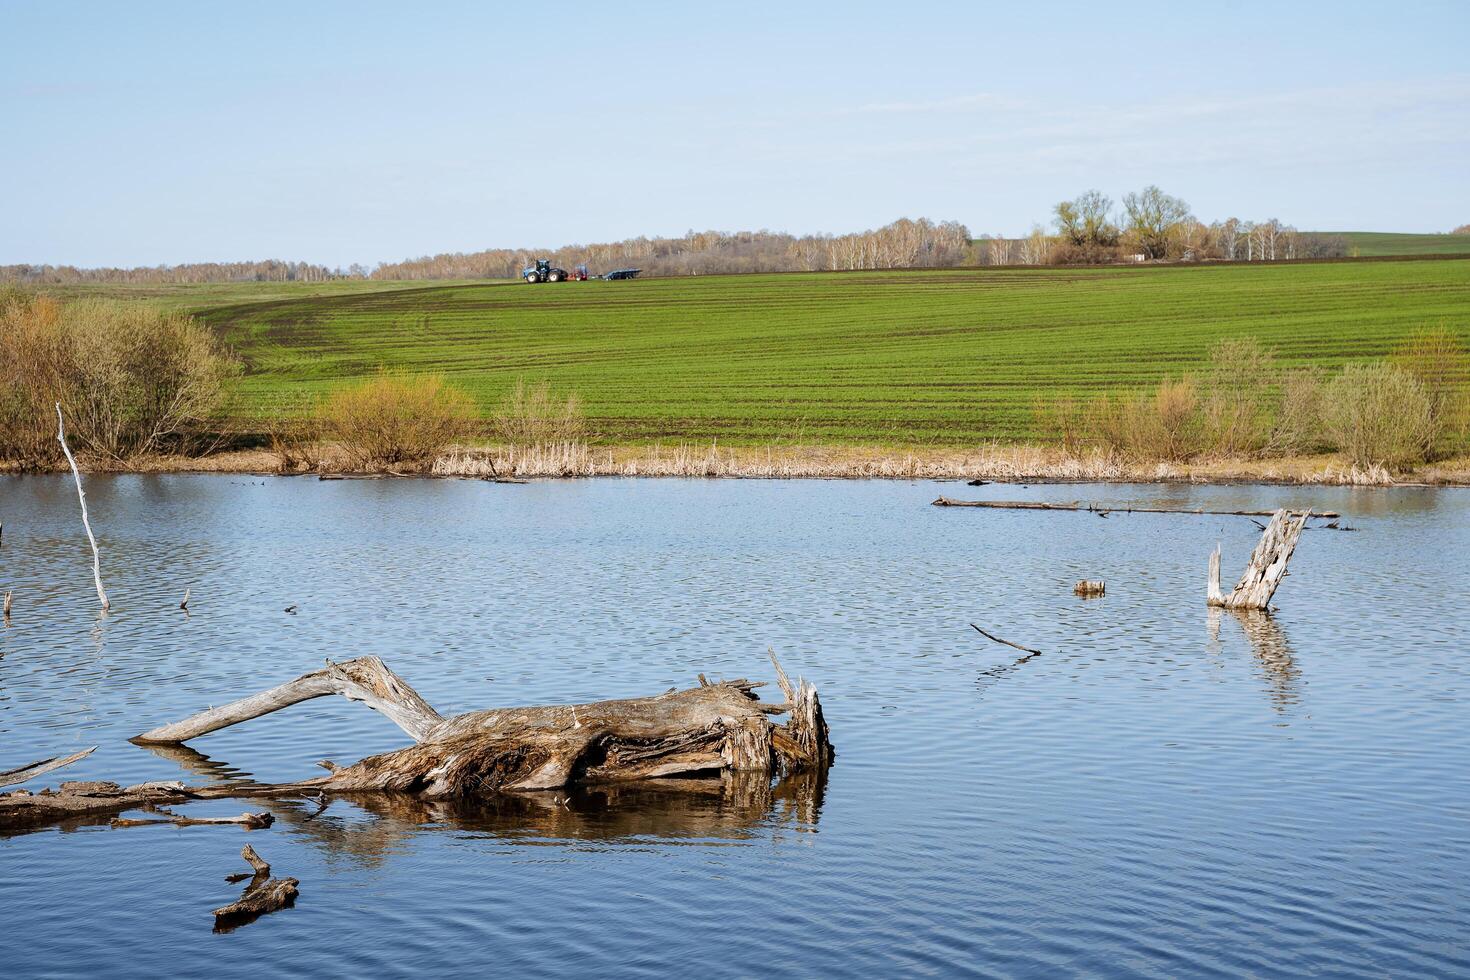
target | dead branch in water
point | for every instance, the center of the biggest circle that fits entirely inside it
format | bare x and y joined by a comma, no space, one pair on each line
1096,509
262,895
1266,568
250,821
82,498
13,777
1008,643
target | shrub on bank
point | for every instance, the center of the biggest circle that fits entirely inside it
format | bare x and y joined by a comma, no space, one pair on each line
392,422
131,379
1394,413
1378,415
1436,359
529,415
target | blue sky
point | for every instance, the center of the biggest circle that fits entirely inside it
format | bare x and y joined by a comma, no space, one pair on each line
161,133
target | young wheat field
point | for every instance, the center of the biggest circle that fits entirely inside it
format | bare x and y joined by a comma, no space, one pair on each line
939,357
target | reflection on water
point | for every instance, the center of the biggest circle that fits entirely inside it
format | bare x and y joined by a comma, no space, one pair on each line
1282,795
1269,646
370,827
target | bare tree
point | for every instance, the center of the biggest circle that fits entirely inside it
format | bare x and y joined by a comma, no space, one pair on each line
1153,217
1084,220
1036,248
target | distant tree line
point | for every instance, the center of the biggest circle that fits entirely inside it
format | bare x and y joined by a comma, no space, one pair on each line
1152,227
903,244
269,270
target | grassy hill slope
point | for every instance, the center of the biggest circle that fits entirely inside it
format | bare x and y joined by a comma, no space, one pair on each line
1371,243
941,356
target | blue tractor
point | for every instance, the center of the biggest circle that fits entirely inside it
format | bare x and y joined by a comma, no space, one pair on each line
542,271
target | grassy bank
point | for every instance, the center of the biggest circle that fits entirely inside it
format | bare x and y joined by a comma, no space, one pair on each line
932,357
1034,464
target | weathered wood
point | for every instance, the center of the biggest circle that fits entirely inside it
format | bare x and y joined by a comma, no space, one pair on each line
261,896
250,821
22,809
365,679
14,777
1266,568
1090,587
718,726
1099,509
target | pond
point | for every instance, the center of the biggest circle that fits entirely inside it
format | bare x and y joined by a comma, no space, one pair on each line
1164,791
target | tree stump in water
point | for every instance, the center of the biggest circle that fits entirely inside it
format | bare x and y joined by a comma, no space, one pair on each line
1266,568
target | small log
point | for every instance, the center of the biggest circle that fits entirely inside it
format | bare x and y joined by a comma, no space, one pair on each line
1088,588
250,821
1266,568
261,896
1096,509
7,605
14,777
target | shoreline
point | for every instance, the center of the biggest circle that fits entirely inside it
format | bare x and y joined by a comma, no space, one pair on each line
996,464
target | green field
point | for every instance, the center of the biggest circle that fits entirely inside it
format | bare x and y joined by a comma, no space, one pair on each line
910,357
1370,243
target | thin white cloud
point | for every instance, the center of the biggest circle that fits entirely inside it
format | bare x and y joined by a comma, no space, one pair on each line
974,100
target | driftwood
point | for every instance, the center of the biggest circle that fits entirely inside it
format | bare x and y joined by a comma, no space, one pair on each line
250,821
14,777
82,802
1090,587
1266,568
262,895
718,726
1100,510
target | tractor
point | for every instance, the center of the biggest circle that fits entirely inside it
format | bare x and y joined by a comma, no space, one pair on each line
543,272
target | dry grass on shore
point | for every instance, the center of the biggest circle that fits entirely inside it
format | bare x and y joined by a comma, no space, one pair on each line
991,462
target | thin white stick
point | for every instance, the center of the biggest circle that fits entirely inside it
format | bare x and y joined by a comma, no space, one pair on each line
82,498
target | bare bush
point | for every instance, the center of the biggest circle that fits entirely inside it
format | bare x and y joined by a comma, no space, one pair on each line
1240,398
1166,425
1106,425
1064,418
530,415
1378,415
396,422
133,380
1438,361
1298,427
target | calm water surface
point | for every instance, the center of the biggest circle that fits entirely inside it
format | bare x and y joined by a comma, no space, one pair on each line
1164,791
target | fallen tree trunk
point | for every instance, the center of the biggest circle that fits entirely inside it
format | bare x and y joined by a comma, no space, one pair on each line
1266,568
715,727
1099,509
